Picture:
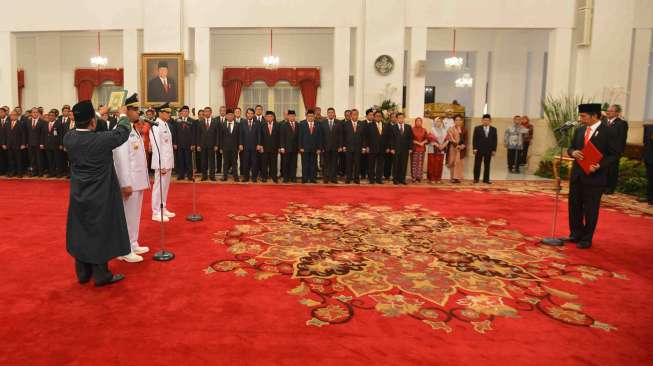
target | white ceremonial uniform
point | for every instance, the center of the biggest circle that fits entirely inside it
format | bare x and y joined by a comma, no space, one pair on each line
163,138
131,167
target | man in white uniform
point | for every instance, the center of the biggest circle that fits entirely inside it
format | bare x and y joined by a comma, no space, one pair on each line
161,143
131,167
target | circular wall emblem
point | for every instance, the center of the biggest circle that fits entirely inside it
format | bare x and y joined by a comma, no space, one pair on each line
384,64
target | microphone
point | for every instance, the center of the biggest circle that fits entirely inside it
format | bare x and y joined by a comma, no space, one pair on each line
147,120
566,126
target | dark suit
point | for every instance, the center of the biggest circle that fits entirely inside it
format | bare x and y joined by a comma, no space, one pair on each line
250,138
353,141
53,140
331,142
402,144
218,154
620,128
36,133
309,142
16,137
104,125
585,191
66,126
270,143
648,159
183,136
207,137
4,152
229,141
388,159
289,140
377,143
156,92
485,146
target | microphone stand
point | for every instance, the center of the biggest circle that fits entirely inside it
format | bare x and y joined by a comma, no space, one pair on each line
553,240
194,217
162,255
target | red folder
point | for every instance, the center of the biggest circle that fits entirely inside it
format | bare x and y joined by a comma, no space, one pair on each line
591,156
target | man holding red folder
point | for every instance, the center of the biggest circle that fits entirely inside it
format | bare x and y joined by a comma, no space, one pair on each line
587,187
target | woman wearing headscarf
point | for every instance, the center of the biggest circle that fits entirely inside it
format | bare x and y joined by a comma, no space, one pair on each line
438,143
456,153
420,139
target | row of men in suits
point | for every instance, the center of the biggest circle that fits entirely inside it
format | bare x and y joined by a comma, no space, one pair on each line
33,142
249,147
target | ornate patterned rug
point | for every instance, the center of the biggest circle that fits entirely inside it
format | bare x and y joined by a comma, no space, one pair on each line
409,262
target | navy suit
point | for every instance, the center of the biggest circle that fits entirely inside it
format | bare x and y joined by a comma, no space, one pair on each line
249,139
309,142
585,190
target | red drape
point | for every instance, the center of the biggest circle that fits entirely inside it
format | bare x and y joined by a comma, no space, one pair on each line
87,79
234,78
21,86
232,93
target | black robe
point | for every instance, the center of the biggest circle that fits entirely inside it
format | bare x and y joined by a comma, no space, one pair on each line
97,230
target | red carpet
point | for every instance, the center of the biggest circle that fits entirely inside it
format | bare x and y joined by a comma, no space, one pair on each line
391,285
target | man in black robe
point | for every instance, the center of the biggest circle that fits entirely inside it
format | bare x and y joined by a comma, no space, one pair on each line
96,230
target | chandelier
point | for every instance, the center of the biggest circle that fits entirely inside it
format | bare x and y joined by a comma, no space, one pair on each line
270,61
465,81
99,60
454,62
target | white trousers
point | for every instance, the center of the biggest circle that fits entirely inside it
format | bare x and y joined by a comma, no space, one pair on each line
156,192
133,205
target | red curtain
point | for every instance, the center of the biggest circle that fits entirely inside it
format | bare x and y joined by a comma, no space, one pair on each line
234,78
232,93
87,79
21,86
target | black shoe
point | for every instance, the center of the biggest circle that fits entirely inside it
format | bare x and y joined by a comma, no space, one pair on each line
190,178
608,192
83,281
475,182
404,183
204,178
275,180
212,179
395,183
569,239
224,179
379,182
180,178
372,182
115,278
314,181
236,179
347,181
357,181
487,182
584,245
334,181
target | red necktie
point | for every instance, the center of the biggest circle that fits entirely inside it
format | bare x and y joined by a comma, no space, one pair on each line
310,127
270,128
588,133
292,125
165,85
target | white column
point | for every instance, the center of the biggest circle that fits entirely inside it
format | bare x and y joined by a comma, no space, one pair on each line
341,59
636,107
559,61
202,67
360,69
415,83
8,71
480,82
131,60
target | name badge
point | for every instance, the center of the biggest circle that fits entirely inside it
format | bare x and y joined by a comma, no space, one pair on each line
136,145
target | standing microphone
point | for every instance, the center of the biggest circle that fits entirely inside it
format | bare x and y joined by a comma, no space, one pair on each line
147,120
566,126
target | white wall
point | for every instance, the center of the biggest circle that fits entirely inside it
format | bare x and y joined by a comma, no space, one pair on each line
50,59
295,48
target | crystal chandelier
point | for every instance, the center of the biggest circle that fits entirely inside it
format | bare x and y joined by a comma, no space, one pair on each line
465,81
454,62
270,61
99,60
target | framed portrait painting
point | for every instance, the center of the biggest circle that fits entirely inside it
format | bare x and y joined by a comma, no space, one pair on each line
162,79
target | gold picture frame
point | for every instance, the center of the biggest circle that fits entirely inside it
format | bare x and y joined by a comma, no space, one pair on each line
162,79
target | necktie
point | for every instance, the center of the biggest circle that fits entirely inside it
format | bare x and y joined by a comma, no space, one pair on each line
379,127
330,125
230,127
401,128
354,125
588,133
50,126
13,124
165,85
249,124
310,127
486,131
292,125
270,128
207,123
33,123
